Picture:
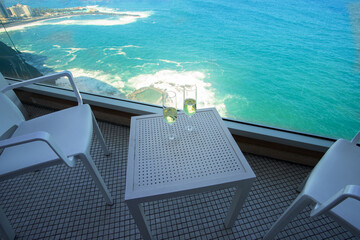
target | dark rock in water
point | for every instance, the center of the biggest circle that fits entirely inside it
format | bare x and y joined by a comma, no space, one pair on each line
12,65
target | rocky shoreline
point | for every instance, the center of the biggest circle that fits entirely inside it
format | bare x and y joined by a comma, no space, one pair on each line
147,94
12,65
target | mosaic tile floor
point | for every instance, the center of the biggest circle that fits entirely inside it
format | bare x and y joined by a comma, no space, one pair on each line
64,203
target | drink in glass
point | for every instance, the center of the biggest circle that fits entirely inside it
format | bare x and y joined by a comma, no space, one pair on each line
190,95
170,111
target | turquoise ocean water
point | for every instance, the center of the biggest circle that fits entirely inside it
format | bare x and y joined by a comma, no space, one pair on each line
290,64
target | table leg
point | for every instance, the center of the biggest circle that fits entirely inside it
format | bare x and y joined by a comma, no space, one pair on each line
137,212
238,200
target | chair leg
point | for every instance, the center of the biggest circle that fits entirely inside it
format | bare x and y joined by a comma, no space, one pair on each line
90,166
291,212
99,136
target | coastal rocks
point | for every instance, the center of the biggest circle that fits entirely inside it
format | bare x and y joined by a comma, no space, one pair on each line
12,65
147,94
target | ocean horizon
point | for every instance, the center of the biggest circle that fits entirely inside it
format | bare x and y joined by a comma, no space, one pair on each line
287,64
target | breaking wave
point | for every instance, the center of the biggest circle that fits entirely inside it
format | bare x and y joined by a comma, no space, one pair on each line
97,82
172,80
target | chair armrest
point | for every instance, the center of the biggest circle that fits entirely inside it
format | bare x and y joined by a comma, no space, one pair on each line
38,136
45,78
352,191
356,139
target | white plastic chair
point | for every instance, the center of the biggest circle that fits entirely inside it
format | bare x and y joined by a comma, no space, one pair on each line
56,138
334,187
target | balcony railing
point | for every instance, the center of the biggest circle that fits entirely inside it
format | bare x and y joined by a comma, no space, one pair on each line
63,203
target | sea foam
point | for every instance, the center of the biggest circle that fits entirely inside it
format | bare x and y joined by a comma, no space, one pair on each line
172,80
97,82
169,61
27,51
120,50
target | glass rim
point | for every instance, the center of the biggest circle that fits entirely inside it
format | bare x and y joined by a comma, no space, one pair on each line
170,93
190,86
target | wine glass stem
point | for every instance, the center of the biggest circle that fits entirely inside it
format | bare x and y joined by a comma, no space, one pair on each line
189,126
171,132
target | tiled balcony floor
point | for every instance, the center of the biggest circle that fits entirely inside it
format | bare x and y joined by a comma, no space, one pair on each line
64,203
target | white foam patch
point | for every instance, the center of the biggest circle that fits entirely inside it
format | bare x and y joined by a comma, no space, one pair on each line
169,61
172,80
71,52
120,50
27,51
99,22
145,64
70,56
128,17
241,99
140,14
97,82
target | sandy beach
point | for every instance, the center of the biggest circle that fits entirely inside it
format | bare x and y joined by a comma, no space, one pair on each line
17,25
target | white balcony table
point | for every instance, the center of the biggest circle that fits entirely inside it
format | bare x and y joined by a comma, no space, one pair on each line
205,159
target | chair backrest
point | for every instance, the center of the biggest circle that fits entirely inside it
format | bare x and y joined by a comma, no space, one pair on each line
10,116
11,94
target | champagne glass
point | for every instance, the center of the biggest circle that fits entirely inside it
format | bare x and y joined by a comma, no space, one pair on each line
190,94
170,111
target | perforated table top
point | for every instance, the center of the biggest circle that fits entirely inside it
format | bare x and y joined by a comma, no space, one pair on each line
205,157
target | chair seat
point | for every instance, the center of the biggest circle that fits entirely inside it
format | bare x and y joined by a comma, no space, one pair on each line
19,159
339,167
